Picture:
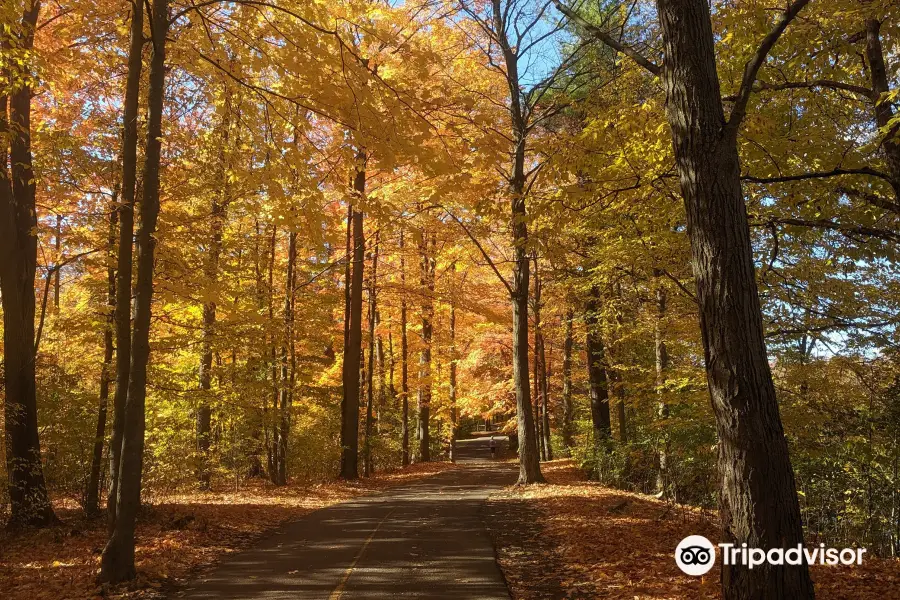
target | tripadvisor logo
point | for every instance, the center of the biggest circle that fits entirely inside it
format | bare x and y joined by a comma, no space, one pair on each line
695,555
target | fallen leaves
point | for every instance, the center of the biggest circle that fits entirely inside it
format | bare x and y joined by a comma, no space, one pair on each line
597,542
178,537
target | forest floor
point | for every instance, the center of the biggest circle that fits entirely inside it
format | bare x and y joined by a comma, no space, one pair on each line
578,539
178,537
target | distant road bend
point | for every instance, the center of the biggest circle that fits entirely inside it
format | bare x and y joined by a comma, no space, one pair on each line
421,540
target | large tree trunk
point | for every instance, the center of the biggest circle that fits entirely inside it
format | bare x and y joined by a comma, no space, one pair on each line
117,561
568,408
92,494
426,283
353,347
125,256
18,242
404,364
884,111
758,496
596,364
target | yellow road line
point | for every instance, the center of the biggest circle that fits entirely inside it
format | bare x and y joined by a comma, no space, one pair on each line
339,590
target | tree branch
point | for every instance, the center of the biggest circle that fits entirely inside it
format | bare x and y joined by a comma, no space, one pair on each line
484,253
751,70
817,175
761,86
609,40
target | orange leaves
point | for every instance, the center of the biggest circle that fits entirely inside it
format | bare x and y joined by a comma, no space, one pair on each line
606,543
177,536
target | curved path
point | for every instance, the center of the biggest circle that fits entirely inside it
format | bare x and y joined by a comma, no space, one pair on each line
421,540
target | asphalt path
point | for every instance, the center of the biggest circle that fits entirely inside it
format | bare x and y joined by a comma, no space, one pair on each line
421,540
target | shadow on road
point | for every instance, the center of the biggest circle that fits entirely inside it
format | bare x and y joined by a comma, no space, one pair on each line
420,540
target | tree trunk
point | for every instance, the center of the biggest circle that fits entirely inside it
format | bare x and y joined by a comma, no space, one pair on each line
211,276
663,483
600,418
426,282
404,364
92,494
117,561
285,396
370,398
545,401
568,408
618,392
125,256
454,416
57,275
542,419
884,112
272,424
536,396
529,459
758,497
353,347
18,245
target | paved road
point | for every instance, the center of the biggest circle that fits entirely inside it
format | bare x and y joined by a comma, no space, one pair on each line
421,540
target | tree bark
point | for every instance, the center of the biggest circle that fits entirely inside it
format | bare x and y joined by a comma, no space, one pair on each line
353,347
117,561
884,111
426,282
18,245
92,494
600,418
758,496
404,363
125,255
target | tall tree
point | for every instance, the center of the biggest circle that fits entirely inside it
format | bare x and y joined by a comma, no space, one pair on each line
426,283
759,504
117,561
568,408
596,364
662,367
404,363
454,410
125,253
368,466
92,494
218,205
18,245
353,346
